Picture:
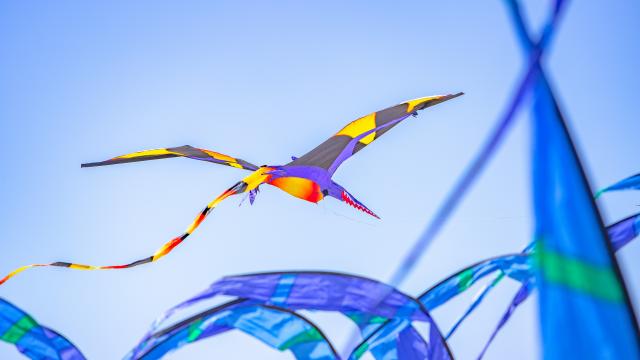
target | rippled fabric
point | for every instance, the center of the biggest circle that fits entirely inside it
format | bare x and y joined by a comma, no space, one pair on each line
585,311
32,339
367,302
276,327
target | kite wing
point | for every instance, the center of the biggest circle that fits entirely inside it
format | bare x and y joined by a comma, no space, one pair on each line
361,132
32,339
181,151
279,328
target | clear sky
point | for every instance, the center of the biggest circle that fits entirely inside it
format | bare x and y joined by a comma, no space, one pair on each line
84,81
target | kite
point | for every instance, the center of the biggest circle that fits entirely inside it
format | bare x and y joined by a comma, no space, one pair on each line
308,177
353,296
630,183
32,339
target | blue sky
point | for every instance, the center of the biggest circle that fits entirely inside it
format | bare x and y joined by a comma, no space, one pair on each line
83,82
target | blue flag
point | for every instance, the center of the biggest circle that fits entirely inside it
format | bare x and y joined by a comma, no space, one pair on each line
585,312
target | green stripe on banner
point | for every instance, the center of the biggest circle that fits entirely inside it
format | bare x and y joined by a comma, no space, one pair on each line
19,329
361,350
581,276
310,335
194,331
465,280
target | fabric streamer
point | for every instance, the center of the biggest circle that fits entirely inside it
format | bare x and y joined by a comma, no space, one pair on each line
308,177
278,328
352,296
32,339
522,294
620,234
585,311
388,337
515,266
475,168
630,183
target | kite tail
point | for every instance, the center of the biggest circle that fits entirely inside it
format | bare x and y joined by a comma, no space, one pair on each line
164,250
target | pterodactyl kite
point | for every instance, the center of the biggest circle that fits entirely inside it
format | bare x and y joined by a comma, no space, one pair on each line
308,177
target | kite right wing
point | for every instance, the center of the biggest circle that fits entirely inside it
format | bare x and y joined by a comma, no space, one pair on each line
181,151
361,132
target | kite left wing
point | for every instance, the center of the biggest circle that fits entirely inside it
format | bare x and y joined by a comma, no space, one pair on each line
180,151
361,132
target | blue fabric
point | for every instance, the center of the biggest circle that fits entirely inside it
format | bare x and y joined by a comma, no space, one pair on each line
630,183
576,320
367,302
522,295
38,342
383,343
622,232
277,328
515,266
